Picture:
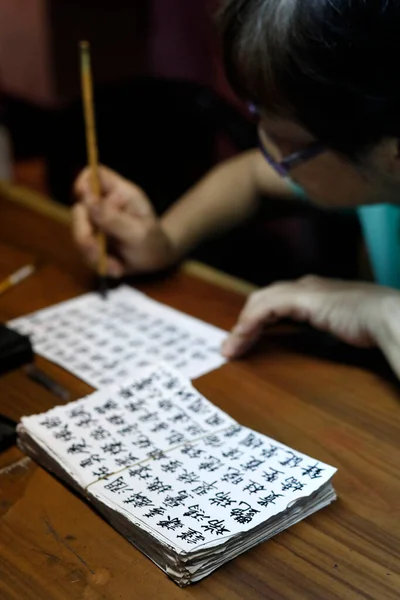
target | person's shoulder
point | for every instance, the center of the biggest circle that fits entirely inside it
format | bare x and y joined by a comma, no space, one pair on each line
381,230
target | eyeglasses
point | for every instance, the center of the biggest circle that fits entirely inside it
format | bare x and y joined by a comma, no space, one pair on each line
330,180
283,165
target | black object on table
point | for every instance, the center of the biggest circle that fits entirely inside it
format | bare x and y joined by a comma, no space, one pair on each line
15,350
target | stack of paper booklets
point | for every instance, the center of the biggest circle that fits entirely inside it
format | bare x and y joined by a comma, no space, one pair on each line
179,478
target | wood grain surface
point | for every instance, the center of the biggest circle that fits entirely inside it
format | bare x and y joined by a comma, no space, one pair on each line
54,546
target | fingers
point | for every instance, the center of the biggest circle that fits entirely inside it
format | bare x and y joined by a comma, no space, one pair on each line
241,339
86,240
333,306
115,268
116,190
123,214
83,185
263,308
109,215
114,222
83,232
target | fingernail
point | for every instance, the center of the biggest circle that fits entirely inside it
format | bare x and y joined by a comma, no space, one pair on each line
114,272
239,329
228,347
242,328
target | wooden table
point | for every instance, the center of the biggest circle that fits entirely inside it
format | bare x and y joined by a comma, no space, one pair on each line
54,546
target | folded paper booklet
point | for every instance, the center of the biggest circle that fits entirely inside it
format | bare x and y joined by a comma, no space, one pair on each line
102,342
179,478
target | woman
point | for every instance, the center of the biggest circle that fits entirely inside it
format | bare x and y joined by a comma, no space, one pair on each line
319,73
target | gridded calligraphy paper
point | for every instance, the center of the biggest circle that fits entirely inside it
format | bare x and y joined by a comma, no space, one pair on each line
157,455
103,342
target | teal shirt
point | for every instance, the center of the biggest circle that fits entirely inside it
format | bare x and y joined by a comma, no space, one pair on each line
381,229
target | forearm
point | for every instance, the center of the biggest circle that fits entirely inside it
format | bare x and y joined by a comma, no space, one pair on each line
224,198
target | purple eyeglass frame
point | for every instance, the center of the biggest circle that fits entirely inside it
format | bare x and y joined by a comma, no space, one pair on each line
284,166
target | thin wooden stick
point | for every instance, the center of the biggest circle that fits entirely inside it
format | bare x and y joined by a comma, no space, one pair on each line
92,151
16,278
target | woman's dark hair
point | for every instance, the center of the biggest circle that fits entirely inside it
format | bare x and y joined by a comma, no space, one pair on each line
334,65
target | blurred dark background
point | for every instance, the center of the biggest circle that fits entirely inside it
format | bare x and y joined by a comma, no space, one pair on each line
165,115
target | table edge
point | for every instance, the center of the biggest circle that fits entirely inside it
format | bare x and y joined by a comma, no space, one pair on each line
47,207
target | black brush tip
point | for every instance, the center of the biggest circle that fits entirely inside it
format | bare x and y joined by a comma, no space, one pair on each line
103,288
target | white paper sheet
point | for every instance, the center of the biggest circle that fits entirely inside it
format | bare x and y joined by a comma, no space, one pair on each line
102,342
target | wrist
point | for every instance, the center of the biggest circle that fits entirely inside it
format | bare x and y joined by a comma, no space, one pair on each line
178,238
384,320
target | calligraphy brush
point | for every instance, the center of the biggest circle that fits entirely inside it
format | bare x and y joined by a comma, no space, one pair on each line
92,151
